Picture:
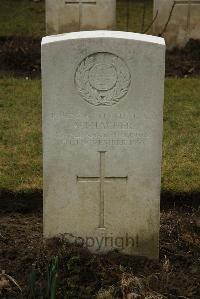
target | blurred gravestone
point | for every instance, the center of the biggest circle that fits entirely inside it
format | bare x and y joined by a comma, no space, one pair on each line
77,15
177,21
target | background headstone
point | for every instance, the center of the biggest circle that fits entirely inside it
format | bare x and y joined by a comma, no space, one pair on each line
76,15
178,21
102,137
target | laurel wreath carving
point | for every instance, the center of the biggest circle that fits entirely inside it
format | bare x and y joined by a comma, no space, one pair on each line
108,97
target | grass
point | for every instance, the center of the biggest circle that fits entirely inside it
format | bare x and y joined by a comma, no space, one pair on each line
21,18
21,134
181,150
21,103
27,18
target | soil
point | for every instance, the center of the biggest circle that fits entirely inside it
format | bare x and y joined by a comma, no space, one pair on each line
20,56
184,62
82,274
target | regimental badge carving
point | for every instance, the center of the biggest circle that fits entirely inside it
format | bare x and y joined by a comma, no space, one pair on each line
102,79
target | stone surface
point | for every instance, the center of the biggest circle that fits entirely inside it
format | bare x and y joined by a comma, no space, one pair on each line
102,137
183,24
76,15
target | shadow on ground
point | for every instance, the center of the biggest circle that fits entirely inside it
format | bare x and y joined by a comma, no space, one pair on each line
31,201
20,56
27,201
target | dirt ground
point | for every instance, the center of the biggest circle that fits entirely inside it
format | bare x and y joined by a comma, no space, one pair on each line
81,274
21,56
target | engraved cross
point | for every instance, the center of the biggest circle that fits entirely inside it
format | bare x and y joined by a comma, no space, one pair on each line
101,179
80,3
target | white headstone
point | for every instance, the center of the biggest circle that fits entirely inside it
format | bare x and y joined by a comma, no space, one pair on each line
76,15
177,21
102,137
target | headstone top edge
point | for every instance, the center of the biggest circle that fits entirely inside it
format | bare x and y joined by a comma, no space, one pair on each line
103,34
